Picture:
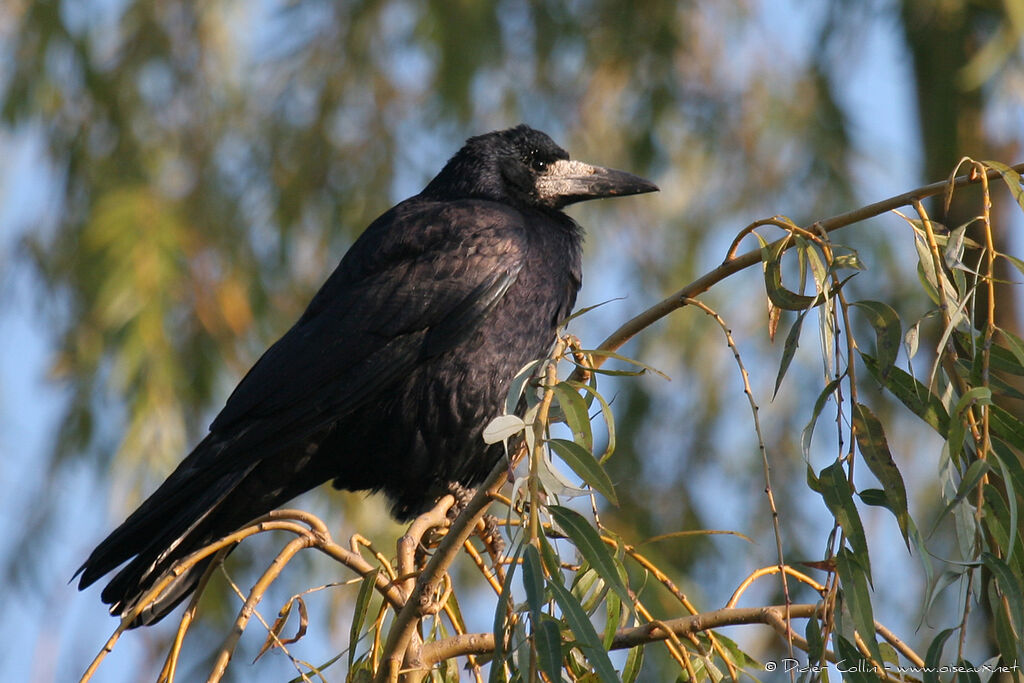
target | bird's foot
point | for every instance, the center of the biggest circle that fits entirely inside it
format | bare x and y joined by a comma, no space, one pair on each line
462,494
487,528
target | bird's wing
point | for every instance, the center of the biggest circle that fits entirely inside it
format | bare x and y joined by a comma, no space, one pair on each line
419,280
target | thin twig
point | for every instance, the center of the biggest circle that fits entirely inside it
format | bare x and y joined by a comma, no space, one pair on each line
761,446
255,595
462,528
767,571
171,663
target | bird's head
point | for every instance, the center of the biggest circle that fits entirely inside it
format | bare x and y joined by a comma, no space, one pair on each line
524,166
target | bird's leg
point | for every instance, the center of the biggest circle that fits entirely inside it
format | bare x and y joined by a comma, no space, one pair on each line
487,528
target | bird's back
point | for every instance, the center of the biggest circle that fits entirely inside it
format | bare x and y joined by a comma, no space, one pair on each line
426,430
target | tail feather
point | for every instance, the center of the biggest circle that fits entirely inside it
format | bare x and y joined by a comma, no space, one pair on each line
181,516
172,538
159,519
211,494
179,589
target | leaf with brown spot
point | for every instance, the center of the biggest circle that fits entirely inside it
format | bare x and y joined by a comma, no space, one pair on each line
274,635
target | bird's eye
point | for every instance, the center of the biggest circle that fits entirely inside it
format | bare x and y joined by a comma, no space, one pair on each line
539,165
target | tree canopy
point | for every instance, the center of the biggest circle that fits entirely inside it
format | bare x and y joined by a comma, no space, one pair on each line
208,164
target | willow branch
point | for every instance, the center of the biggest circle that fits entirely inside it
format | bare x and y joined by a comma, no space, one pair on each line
629,637
411,539
227,649
404,626
735,264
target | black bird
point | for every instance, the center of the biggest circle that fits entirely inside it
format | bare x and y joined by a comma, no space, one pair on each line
389,377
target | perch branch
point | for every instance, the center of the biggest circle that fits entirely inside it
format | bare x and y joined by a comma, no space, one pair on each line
735,264
404,626
629,637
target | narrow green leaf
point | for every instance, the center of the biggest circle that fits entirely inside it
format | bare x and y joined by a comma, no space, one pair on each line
611,373
968,672
889,655
1010,464
933,658
931,278
584,633
500,629
589,588
588,309
456,610
606,414
1011,178
819,404
997,384
525,647
818,269
958,426
911,340
317,670
741,659
1010,587
968,484
813,483
576,416
1001,358
836,491
975,396
519,385
624,359
912,394
634,663
1013,480
955,437
1009,645
1006,425
777,293
854,579
1014,261
803,247
613,615
548,641
789,350
359,614
850,260
875,450
533,583
966,528
815,642
591,547
888,332
1016,346
586,466
942,582
692,533
551,559
856,668
995,521
875,498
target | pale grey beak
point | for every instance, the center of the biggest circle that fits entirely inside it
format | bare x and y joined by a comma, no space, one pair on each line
565,182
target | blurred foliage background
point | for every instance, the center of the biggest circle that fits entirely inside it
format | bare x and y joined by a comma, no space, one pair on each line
204,165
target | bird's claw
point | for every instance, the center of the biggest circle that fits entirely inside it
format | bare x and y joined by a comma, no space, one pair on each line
487,528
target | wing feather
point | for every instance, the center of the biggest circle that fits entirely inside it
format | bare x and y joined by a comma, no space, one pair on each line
422,278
